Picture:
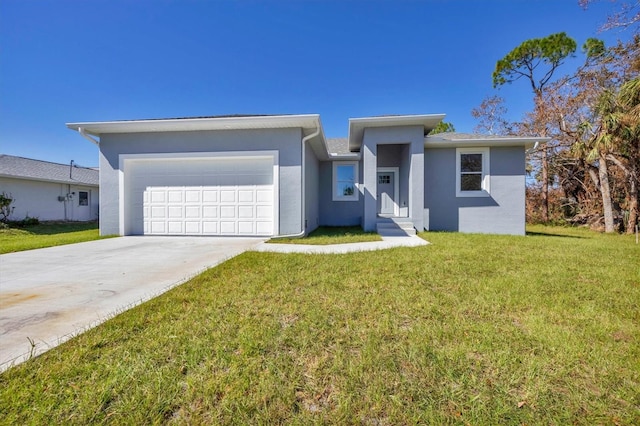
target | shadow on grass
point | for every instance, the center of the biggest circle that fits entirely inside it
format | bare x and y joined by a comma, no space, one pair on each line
331,235
552,234
337,231
52,228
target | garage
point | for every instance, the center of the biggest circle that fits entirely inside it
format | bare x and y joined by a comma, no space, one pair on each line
200,195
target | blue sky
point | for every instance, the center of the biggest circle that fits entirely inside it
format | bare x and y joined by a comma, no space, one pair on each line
67,61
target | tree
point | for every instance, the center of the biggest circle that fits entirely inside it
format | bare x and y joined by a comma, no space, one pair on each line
591,111
576,101
526,60
443,127
627,16
620,133
536,60
491,117
614,125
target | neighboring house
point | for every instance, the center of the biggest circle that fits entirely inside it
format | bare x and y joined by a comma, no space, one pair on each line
49,191
280,175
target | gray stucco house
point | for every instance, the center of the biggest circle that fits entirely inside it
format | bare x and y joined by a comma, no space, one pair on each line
49,191
279,175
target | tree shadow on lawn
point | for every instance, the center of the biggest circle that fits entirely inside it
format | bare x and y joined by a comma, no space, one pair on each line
552,234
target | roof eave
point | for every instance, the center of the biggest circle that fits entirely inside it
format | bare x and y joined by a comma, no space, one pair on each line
97,128
527,142
38,179
357,125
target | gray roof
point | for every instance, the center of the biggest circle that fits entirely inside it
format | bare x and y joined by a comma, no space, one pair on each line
27,168
338,146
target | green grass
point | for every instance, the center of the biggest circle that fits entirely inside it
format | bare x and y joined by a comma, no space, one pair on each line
472,329
325,235
46,235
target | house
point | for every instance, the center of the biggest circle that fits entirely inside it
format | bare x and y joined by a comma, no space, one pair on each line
49,191
279,175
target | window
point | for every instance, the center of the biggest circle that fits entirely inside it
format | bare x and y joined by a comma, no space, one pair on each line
345,181
472,172
83,198
382,179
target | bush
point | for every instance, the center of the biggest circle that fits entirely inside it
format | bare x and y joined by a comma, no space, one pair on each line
30,221
27,221
5,206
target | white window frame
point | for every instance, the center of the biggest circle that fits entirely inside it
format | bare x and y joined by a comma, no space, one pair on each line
334,195
486,175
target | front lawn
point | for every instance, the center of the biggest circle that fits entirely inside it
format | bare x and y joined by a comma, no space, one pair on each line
472,329
325,235
46,234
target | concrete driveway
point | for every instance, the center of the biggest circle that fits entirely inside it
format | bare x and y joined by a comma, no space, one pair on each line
49,295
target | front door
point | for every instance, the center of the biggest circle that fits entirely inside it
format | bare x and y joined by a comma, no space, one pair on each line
386,193
82,209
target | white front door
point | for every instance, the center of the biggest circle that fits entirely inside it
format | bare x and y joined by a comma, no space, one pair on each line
80,204
386,193
84,206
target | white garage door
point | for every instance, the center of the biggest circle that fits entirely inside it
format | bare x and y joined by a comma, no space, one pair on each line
222,196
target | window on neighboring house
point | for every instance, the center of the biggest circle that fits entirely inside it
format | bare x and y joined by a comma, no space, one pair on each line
472,172
345,181
83,198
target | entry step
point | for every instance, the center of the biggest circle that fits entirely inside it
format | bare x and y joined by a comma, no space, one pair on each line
395,227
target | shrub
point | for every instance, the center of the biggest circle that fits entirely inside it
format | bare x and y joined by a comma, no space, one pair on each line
5,206
27,221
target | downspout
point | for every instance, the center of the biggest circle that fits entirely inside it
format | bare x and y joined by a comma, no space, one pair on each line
66,200
87,137
302,216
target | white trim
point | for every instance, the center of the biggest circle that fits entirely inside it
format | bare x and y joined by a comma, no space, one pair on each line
126,160
356,172
358,125
447,140
486,173
97,128
396,187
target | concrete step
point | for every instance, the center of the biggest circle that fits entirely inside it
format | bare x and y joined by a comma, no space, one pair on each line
389,227
397,233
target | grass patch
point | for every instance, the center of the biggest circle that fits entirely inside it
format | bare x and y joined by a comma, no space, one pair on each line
472,329
326,235
46,234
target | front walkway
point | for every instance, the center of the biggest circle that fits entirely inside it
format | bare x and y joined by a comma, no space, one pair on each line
386,243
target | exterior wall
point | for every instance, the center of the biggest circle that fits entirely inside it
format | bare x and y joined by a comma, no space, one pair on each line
312,187
405,172
338,213
501,213
40,200
397,156
413,137
286,141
